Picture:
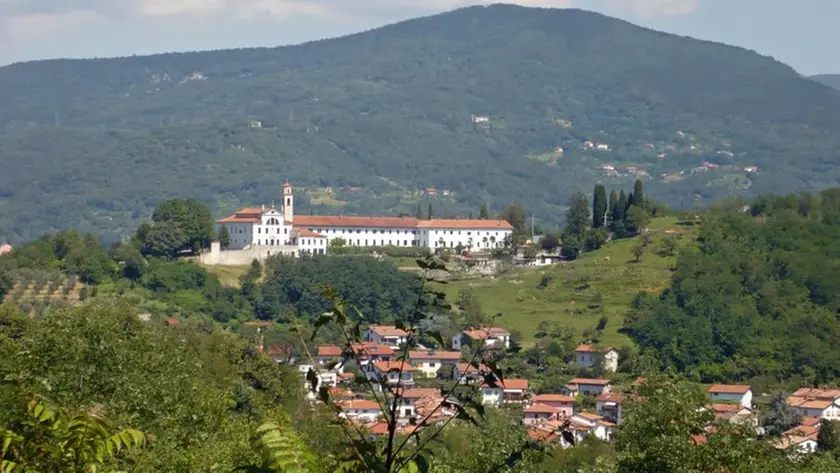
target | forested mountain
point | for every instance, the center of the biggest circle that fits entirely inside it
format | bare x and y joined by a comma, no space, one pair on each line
497,103
831,80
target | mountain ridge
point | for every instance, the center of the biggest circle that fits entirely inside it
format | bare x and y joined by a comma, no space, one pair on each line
378,116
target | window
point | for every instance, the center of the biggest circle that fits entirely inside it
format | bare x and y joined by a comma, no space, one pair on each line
451,232
470,233
432,364
259,230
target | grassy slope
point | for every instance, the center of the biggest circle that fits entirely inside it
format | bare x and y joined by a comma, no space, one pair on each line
565,301
228,275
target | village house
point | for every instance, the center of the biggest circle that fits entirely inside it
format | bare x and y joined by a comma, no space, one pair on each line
587,423
328,353
470,373
386,335
360,409
406,406
590,356
565,405
814,402
509,391
739,393
490,336
608,405
429,362
584,386
734,414
392,372
539,413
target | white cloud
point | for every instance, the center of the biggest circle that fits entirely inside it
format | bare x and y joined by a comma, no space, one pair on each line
44,27
655,8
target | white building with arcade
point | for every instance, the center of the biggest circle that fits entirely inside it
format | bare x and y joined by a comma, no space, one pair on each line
265,231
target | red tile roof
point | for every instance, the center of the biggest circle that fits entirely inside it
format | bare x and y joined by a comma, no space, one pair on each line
611,397
485,332
329,351
5,248
553,398
817,393
355,221
589,416
305,232
589,381
388,331
468,368
438,223
373,349
514,384
172,321
237,219
729,389
387,366
593,349
541,409
417,393
434,355
358,404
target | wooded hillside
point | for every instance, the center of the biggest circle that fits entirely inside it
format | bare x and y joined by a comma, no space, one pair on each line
497,103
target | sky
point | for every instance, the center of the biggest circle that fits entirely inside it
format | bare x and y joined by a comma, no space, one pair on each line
797,32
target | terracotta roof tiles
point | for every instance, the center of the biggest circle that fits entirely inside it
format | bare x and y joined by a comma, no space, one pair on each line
729,389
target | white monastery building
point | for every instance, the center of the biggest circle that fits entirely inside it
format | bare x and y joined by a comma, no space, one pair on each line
267,228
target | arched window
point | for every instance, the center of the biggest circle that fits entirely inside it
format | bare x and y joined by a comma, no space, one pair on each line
273,221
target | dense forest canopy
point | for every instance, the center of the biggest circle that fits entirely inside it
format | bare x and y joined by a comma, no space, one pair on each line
758,298
504,98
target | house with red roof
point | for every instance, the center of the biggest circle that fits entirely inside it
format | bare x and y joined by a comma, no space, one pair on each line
360,409
507,391
386,335
429,362
470,372
540,413
583,424
484,336
584,386
816,402
392,372
592,356
608,405
565,404
732,393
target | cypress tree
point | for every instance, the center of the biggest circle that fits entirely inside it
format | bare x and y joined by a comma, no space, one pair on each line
419,214
621,207
224,237
638,194
612,206
483,214
430,213
599,206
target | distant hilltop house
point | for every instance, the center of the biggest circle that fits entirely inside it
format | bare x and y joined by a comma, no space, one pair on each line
5,248
490,336
260,232
590,356
480,119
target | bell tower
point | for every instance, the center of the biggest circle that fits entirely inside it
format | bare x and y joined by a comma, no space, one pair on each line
288,203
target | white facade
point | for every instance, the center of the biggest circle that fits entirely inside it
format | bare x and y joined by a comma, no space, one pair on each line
386,335
591,357
490,335
430,362
280,227
731,393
